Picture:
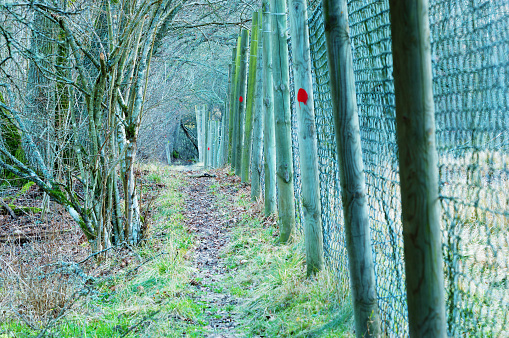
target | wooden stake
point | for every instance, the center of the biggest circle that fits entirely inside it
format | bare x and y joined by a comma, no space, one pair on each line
234,113
313,236
282,116
269,136
418,168
353,189
248,129
256,167
241,100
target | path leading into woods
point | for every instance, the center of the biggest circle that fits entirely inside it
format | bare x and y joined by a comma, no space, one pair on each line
211,227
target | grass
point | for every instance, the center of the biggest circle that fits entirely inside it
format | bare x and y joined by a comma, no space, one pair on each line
150,297
148,292
278,299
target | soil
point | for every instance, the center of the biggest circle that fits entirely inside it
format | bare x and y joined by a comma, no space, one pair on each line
210,224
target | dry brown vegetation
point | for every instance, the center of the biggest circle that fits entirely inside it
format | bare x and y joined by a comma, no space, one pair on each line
46,262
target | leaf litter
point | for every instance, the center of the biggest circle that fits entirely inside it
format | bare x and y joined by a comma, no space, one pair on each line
209,224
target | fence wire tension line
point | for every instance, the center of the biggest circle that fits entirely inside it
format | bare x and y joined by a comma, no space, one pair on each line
384,127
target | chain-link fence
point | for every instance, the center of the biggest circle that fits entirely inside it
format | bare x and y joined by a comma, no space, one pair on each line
470,54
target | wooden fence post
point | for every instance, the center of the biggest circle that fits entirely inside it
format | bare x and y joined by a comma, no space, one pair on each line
313,236
248,130
234,113
269,136
282,116
217,145
214,147
199,134
228,103
206,156
256,168
353,189
418,168
241,100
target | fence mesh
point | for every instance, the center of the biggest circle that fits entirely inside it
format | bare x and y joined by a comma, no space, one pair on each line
470,46
470,53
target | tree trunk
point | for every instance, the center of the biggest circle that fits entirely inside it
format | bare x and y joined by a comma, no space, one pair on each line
256,168
248,125
39,90
303,82
418,168
269,138
282,116
133,221
353,190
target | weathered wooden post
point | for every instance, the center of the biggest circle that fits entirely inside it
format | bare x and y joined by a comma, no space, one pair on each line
224,137
418,168
234,112
256,167
241,101
228,105
212,144
214,147
206,156
269,138
313,236
353,189
282,116
248,125
217,144
199,133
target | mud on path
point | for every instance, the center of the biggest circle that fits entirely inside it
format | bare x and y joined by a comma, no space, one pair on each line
210,225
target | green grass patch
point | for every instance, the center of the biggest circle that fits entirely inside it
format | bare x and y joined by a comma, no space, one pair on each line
278,299
151,297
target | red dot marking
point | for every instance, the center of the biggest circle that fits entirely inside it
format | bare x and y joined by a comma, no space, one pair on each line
241,99
302,96
208,148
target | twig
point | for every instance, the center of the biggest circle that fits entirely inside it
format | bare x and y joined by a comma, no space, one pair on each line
9,210
144,319
67,306
202,175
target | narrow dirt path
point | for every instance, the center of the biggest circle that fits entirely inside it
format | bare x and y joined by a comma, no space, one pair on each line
211,228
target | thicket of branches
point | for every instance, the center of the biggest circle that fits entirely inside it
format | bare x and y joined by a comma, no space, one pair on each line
88,86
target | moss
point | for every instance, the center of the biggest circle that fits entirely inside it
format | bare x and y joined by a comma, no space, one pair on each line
11,136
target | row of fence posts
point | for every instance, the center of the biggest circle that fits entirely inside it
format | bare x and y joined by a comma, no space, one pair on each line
210,132
260,118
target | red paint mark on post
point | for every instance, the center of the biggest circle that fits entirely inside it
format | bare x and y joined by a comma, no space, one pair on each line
208,148
302,96
241,99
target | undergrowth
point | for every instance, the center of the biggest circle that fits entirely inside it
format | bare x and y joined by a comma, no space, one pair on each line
148,291
278,299
134,292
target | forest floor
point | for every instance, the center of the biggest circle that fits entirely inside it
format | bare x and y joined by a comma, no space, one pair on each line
210,267
210,226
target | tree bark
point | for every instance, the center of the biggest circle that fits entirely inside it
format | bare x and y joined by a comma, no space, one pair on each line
199,133
250,99
418,166
235,105
258,121
303,82
282,116
207,138
242,100
269,138
353,190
